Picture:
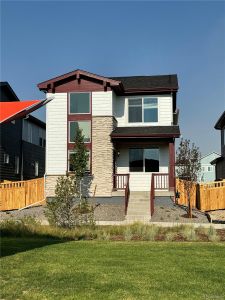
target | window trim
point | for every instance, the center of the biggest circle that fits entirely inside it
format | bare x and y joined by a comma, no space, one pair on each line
87,113
143,148
89,121
17,165
6,158
36,168
142,110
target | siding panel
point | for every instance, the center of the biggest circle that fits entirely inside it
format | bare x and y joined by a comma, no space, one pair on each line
56,135
102,104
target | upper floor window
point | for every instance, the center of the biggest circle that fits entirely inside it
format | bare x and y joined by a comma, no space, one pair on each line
79,103
84,126
143,110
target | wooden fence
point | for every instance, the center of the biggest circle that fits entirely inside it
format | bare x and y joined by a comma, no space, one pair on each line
18,194
204,196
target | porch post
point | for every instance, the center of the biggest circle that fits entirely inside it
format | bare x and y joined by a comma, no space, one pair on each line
171,166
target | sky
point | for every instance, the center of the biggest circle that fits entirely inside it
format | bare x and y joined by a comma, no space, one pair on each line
43,39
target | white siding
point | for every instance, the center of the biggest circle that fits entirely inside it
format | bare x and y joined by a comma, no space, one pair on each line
56,135
102,104
165,111
140,181
165,115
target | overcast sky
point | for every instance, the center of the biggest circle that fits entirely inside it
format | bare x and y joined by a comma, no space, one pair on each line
42,39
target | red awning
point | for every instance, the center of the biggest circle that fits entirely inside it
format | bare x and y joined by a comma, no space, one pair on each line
10,111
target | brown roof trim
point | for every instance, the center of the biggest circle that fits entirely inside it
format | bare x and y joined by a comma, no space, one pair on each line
44,85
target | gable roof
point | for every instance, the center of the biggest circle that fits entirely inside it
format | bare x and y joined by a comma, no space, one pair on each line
204,156
76,74
10,111
221,122
11,95
125,84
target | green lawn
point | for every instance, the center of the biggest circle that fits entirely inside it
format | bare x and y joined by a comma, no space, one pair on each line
38,268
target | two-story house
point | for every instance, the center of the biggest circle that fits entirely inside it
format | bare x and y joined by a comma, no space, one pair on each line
129,125
22,142
207,173
220,161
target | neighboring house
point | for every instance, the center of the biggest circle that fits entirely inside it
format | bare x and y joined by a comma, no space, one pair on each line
129,125
220,161
22,144
207,170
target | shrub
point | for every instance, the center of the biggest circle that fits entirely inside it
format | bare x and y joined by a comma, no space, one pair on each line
212,234
188,232
127,234
150,233
170,236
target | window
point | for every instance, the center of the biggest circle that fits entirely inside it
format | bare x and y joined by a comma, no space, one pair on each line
70,154
144,160
85,127
36,165
210,169
143,110
17,164
79,103
203,169
6,158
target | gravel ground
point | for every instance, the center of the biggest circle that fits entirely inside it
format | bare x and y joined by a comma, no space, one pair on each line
167,211
103,212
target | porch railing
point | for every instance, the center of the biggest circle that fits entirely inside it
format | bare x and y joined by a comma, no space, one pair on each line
159,181
121,182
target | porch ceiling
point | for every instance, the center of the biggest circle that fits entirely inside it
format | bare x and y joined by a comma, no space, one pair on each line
146,132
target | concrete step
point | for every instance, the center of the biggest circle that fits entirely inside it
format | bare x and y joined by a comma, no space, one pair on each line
161,193
120,193
139,195
140,218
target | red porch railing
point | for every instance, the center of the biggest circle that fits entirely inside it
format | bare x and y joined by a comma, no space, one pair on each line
121,182
159,181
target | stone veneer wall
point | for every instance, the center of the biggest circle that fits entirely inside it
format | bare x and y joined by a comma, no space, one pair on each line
102,159
102,155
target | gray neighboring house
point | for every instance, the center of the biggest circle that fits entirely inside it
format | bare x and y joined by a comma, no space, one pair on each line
207,170
22,143
220,161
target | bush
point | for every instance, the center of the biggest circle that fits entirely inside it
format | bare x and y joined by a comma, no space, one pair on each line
127,234
212,234
188,232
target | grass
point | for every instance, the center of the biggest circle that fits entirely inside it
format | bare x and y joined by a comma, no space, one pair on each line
47,268
28,227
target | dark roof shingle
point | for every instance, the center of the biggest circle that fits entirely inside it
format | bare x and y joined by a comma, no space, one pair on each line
149,82
146,131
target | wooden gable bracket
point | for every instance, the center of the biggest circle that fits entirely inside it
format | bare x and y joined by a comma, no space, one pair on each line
105,84
53,87
78,77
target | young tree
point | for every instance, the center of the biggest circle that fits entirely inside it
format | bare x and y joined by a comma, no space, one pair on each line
63,210
188,167
79,161
59,209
